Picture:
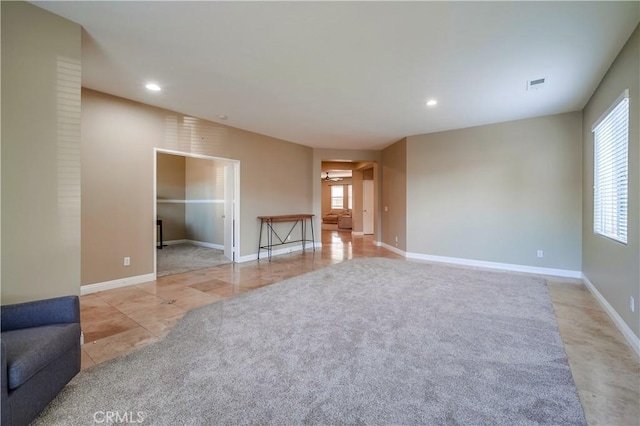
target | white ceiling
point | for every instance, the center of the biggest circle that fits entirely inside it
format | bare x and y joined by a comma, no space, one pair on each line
351,74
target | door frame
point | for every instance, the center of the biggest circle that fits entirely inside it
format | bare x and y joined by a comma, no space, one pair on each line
235,197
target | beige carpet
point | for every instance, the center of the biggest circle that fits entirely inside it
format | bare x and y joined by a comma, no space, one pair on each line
368,342
178,258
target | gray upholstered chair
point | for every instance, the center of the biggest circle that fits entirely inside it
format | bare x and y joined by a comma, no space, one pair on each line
40,355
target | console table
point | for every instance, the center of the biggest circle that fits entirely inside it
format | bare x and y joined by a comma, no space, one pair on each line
271,232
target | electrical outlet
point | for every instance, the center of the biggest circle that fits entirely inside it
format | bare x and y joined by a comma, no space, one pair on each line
540,253
632,304
127,261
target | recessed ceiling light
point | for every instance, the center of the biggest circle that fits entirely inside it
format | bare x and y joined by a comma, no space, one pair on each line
153,86
432,102
222,117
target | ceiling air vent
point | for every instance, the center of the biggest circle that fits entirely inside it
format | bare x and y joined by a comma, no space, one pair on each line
536,84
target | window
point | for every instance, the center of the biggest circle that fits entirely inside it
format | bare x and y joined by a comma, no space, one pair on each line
610,181
337,196
350,195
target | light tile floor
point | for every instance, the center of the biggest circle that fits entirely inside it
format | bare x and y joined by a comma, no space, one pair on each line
115,322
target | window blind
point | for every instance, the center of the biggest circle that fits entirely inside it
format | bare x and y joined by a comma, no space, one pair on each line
611,148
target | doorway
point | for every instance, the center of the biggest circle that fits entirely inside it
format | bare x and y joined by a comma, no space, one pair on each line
196,210
349,191
337,200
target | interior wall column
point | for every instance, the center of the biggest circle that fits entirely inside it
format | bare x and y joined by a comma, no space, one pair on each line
357,201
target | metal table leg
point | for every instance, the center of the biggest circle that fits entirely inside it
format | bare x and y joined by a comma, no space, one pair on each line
313,238
260,239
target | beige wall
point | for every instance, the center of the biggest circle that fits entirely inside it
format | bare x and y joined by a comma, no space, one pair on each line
613,268
170,175
394,195
171,171
498,193
40,154
205,182
358,202
117,208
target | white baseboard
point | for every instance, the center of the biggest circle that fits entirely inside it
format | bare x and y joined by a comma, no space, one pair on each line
195,243
396,250
275,252
357,234
123,282
628,334
208,245
173,242
495,265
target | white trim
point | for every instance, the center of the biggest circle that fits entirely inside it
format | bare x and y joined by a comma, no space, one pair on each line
357,234
628,334
208,245
122,282
495,265
396,250
195,243
235,249
163,201
174,242
192,155
154,180
276,252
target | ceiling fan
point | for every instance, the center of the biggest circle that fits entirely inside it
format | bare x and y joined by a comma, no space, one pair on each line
336,179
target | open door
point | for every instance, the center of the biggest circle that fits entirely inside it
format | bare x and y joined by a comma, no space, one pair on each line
229,212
